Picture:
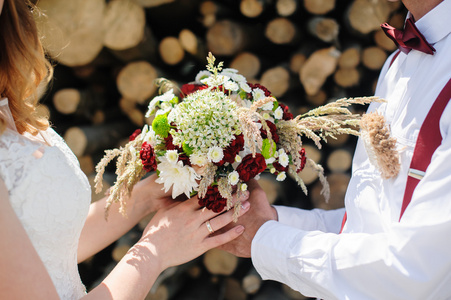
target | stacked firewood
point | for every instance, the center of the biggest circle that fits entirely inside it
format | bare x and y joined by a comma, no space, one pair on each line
107,54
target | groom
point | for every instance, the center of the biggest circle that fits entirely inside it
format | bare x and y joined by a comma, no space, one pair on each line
394,241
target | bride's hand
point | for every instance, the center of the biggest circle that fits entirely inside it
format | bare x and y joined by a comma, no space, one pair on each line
183,231
151,196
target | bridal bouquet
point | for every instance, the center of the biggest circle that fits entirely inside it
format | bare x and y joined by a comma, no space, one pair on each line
217,133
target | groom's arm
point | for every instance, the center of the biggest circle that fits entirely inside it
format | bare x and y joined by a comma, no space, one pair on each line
315,219
261,211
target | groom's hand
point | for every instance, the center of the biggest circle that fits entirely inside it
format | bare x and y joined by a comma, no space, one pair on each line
259,213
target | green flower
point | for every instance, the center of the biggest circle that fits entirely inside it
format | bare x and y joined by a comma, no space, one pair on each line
174,100
161,125
276,105
267,150
187,149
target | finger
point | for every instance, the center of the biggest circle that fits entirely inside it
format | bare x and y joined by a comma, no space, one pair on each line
207,214
240,197
223,238
222,220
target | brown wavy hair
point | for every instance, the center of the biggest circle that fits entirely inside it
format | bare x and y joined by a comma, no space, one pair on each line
23,65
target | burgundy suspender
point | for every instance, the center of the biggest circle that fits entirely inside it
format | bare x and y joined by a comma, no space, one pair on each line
429,138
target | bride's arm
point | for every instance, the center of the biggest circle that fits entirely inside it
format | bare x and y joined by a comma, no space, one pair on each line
24,276
22,273
98,233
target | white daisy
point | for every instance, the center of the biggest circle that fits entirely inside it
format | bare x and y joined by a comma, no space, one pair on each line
229,70
268,106
172,156
284,160
233,177
243,187
270,160
215,154
231,86
239,78
202,75
198,159
281,176
245,87
258,94
166,97
278,113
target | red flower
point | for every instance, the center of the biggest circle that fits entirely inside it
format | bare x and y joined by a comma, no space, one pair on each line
185,159
147,155
264,89
303,160
169,145
251,166
134,135
232,150
273,129
279,167
213,200
190,88
287,115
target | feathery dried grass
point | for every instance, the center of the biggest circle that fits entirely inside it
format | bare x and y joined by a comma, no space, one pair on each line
380,146
225,190
129,171
207,179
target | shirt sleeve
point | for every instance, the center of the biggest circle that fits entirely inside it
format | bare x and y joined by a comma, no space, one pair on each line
315,219
409,260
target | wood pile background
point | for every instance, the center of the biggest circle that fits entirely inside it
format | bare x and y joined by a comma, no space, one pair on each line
108,53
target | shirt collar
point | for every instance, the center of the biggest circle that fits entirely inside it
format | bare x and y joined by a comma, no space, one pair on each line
436,24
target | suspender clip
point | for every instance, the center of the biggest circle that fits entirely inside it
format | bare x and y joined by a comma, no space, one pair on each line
417,174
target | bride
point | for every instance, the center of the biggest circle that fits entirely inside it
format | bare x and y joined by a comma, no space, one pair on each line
47,221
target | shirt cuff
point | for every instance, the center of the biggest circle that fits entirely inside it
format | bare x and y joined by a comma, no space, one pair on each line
270,250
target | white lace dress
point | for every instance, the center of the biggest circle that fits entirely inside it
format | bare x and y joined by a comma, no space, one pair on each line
51,197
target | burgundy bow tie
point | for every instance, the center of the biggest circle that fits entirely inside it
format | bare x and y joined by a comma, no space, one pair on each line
409,38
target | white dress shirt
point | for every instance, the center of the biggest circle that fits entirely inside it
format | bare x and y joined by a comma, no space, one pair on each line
376,256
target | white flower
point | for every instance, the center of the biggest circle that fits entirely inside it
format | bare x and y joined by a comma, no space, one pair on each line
166,97
245,87
231,86
202,75
258,94
149,136
215,154
182,179
268,106
238,158
239,78
272,170
172,156
214,81
229,70
243,187
270,160
278,113
281,176
284,160
266,116
198,159
233,177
